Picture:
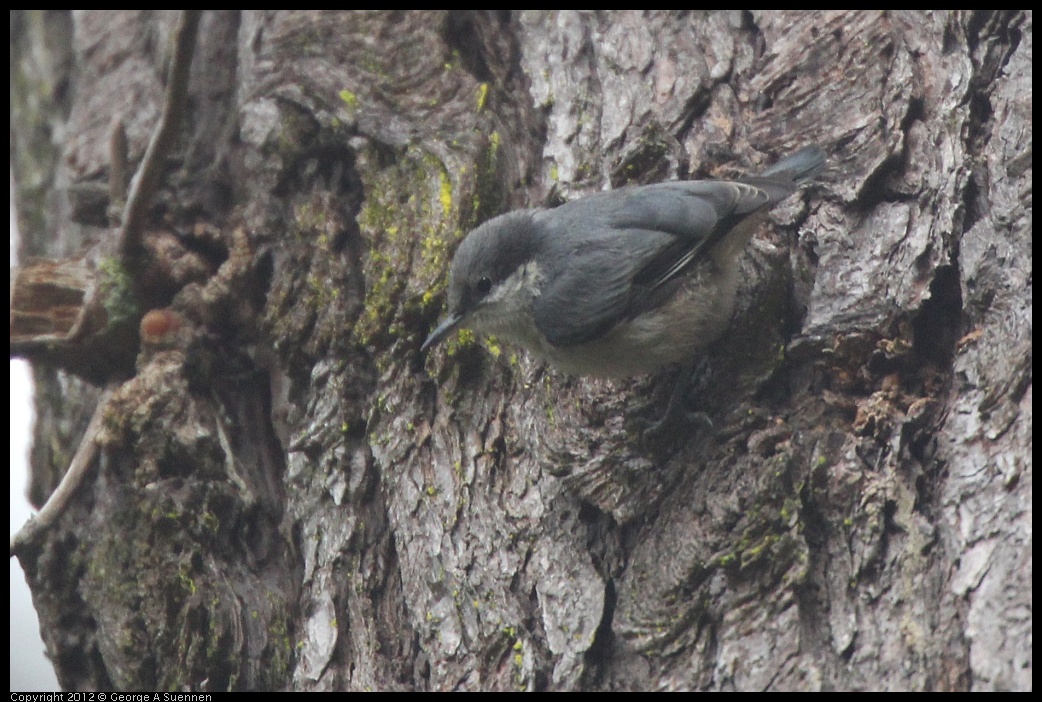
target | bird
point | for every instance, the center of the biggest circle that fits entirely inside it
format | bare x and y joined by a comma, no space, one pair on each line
619,283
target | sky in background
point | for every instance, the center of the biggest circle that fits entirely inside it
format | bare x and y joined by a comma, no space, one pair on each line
30,669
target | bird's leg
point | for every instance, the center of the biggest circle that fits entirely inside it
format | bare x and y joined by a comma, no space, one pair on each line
678,420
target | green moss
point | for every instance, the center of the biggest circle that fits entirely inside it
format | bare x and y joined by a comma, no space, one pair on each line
309,221
453,60
428,215
463,339
349,99
281,647
416,210
445,194
186,580
117,290
482,96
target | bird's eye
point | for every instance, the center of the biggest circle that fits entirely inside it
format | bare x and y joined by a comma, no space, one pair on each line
484,285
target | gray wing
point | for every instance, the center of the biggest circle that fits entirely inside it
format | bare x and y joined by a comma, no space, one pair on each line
612,255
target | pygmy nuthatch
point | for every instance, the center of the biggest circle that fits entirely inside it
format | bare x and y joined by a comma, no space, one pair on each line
618,283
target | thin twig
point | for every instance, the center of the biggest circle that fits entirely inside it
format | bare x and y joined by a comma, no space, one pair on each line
148,175
118,158
145,183
73,478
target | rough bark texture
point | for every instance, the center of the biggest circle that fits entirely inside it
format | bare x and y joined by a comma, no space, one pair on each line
290,496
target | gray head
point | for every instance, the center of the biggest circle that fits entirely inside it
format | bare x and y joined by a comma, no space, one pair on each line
492,279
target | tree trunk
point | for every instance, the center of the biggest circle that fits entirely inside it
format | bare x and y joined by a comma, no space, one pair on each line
285,494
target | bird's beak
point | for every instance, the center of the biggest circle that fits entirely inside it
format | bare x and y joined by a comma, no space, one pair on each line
447,326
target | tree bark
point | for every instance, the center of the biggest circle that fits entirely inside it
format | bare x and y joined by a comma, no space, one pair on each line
287,495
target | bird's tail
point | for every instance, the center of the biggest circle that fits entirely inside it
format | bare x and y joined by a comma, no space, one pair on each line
799,166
